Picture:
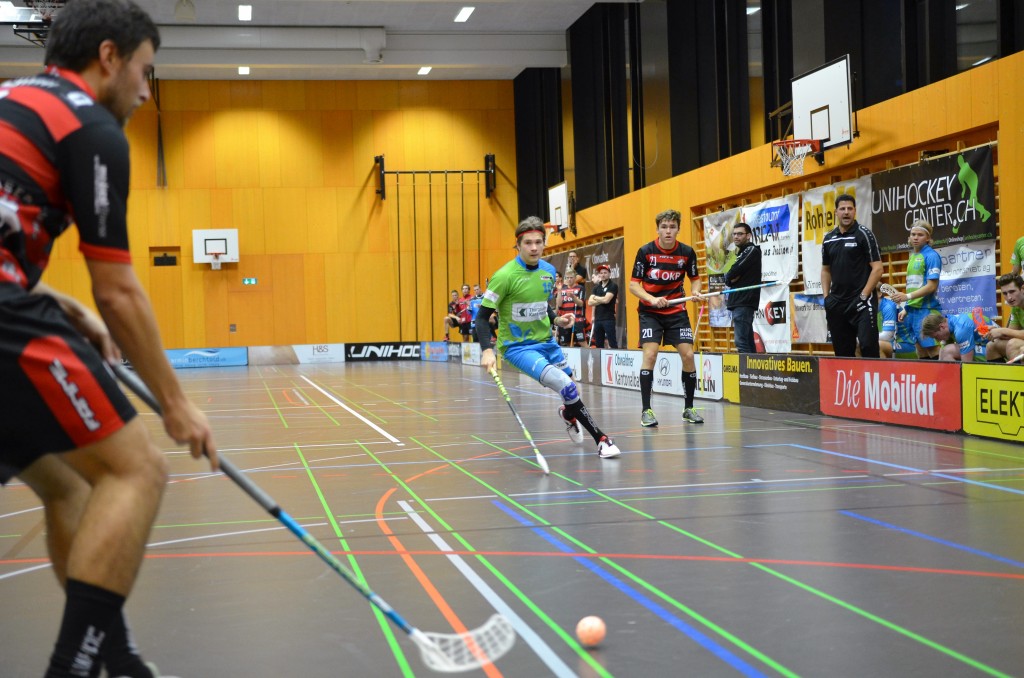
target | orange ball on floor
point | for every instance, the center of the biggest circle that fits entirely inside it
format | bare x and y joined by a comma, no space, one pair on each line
590,630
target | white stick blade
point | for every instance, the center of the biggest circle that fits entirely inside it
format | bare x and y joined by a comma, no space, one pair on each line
457,652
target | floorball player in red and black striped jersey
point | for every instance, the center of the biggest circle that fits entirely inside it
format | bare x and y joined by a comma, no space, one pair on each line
660,269
67,430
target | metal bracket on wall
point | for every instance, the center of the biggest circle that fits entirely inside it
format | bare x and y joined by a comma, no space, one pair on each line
490,172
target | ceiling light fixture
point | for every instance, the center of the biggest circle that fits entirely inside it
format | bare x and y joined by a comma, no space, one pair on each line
463,15
423,71
960,7
243,70
245,12
753,10
982,61
184,10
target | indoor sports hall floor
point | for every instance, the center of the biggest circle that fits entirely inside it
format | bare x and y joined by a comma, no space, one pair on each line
761,543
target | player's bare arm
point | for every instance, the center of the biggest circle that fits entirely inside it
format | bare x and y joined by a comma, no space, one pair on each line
637,290
129,316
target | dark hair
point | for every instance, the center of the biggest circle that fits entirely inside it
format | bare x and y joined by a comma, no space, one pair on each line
528,225
669,215
845,197
745,227
1010,279
80,27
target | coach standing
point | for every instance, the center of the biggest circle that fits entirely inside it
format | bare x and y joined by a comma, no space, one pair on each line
851,266
745,272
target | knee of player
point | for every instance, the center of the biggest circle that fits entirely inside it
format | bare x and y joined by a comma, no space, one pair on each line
570,392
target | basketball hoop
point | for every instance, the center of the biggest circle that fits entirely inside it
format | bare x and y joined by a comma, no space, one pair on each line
215,260
47,9
790,154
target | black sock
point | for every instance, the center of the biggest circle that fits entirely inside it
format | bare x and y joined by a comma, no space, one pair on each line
579,412
646,386
88,613
119,653
689,387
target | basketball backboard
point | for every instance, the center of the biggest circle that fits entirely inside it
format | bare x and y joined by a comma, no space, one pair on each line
222,242
558,206
822,105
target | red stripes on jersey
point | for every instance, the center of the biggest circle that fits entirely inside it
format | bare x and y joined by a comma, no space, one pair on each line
70,390
28,156
60,120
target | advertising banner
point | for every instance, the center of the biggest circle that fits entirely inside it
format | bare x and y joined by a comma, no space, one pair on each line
572,356
434,351
731,377
454,353
968,278
809,318
993,398
297,354
590,365
611,254
919,393
788,383
720,254
385,351
819,217
771,321
470,353
955,193
207,357
621,369
775,231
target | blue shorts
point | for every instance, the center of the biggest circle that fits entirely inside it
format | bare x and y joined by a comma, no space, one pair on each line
533,358
909,331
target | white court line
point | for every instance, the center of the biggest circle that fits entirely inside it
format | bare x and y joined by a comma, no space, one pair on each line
543,650
18,513
355,414
584,490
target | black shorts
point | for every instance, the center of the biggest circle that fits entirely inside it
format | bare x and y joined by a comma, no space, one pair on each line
57,395
465,329
665,330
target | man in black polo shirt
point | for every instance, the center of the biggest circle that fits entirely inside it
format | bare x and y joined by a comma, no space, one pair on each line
745,272
603,299
851,266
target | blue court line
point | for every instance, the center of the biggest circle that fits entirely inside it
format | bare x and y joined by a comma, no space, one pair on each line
937,540
866,460
638,597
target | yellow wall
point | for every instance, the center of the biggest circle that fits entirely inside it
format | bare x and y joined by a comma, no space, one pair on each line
986,102
290,164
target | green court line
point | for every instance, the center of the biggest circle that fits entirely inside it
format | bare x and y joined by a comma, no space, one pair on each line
707,623
719,494
382,397
274,520
523,598
385,625
274,403
965,450
970,661
356,405
529,460
314,403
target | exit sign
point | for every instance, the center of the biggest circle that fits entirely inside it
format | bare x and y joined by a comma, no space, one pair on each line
248,281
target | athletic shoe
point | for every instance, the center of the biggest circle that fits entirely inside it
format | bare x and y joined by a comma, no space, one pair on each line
446,339
606,449
690,414
647,419
572,427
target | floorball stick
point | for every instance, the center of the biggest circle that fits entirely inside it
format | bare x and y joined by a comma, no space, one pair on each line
541,461
443,652
683,300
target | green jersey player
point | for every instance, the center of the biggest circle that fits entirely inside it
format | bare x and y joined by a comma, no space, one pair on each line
519,291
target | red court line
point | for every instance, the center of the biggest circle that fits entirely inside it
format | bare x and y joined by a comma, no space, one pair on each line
558,554
428,586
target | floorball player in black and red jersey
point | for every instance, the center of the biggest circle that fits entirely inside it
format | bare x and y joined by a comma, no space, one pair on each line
659,272
66,430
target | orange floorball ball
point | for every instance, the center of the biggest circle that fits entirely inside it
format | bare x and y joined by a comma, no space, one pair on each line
590,631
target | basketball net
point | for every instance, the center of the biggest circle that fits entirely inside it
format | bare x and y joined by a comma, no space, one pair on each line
792,153
215,262
47,9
